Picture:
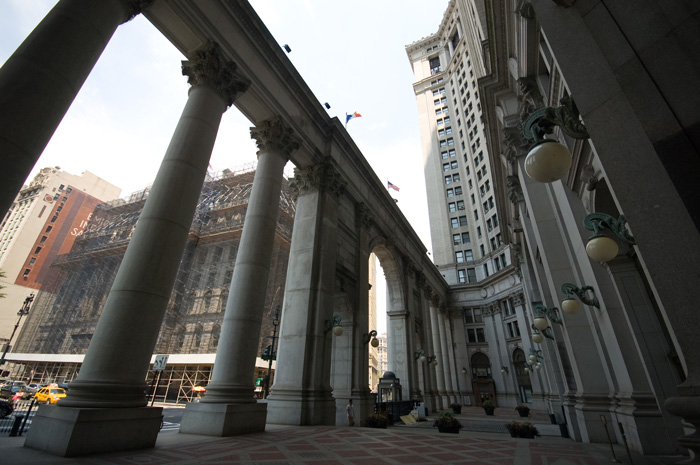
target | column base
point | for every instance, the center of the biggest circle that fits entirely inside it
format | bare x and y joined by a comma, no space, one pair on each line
71,432
301,409
210,419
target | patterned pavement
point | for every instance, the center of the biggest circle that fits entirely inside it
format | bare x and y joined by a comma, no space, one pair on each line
327,445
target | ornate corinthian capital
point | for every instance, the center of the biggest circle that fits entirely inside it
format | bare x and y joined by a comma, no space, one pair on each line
134,7
364,217
275,134
320,177
209,69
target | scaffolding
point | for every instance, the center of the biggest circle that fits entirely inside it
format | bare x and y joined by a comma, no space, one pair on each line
66,310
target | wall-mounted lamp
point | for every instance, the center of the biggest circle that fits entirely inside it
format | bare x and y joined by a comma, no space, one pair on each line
548,160
504,369
327,105
464,371
600,247
287,48
371,336
571,305
534,361
542,313
432,359
420,355
333,325
538,336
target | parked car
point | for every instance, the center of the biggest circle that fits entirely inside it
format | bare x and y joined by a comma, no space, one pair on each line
5,408
8,391
50,395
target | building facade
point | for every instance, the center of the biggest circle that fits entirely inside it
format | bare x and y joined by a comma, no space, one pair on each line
45,219
66,311
586,73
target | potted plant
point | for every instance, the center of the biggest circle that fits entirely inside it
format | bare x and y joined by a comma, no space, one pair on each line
456,408
447,423
522,430
488,406
523,410
377,420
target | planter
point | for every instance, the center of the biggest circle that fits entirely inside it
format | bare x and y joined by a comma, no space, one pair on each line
457,409
524,413
489,410
454,429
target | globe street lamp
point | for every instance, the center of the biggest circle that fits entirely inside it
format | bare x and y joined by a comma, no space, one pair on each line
22,311
600,247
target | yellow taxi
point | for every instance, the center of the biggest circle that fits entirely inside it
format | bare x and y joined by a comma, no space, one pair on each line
50,395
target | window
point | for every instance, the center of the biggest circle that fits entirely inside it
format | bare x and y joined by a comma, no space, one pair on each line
452,153
489,224
69,190
445,110
471,274
468,254
32,261
49,228
476,335
496,265
441,132
458,190
483,251
465,238
448,130
452,207
435,92
438,112
444,155
462,220
494,246
26,273
503,260
459,257
476,215
495,220
455,239
462,276
450,193
454,222
486,269
478,232
460,205
450,141
448,179
38,249
455,177
443,143
439,122
447,119
43,239
454,165
60,188
53,220
436,101
473,199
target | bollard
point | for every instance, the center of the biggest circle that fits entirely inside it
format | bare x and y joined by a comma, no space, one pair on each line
15,426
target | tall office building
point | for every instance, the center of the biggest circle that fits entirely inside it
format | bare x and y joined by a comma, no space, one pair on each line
469,238
45,219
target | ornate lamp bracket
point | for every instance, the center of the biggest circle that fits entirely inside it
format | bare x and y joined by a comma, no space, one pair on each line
368,337
569,289
598,222
543,120
541,311
332,324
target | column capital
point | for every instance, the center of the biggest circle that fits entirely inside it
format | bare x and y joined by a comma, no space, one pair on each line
274,133
321,177
134,7
364,216
210,69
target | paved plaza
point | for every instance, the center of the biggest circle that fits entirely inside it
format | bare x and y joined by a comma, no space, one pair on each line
326,445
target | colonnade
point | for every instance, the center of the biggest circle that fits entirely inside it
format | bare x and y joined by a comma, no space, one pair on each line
109,390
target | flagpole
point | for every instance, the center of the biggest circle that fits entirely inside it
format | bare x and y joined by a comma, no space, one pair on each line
346,120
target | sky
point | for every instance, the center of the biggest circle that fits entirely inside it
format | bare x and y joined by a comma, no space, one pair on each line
351,55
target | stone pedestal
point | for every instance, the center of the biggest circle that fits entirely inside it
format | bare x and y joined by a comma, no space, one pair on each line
224,419
70,432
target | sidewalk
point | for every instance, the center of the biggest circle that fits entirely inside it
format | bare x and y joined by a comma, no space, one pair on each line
327,445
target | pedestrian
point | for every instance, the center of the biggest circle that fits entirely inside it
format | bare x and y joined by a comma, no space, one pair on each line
351,413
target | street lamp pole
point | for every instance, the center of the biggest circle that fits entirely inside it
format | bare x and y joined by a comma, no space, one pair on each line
22,311
271,354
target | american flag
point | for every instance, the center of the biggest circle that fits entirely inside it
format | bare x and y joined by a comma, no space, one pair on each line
392,186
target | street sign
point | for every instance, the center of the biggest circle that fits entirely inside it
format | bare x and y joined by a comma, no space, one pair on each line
159,364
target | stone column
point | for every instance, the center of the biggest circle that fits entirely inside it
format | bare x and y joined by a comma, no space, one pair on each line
444,360
40,80
229,407
441,394
302,394
101,400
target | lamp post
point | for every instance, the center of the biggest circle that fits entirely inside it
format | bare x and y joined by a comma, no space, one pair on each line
548,160
571,305
22,311
272,353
